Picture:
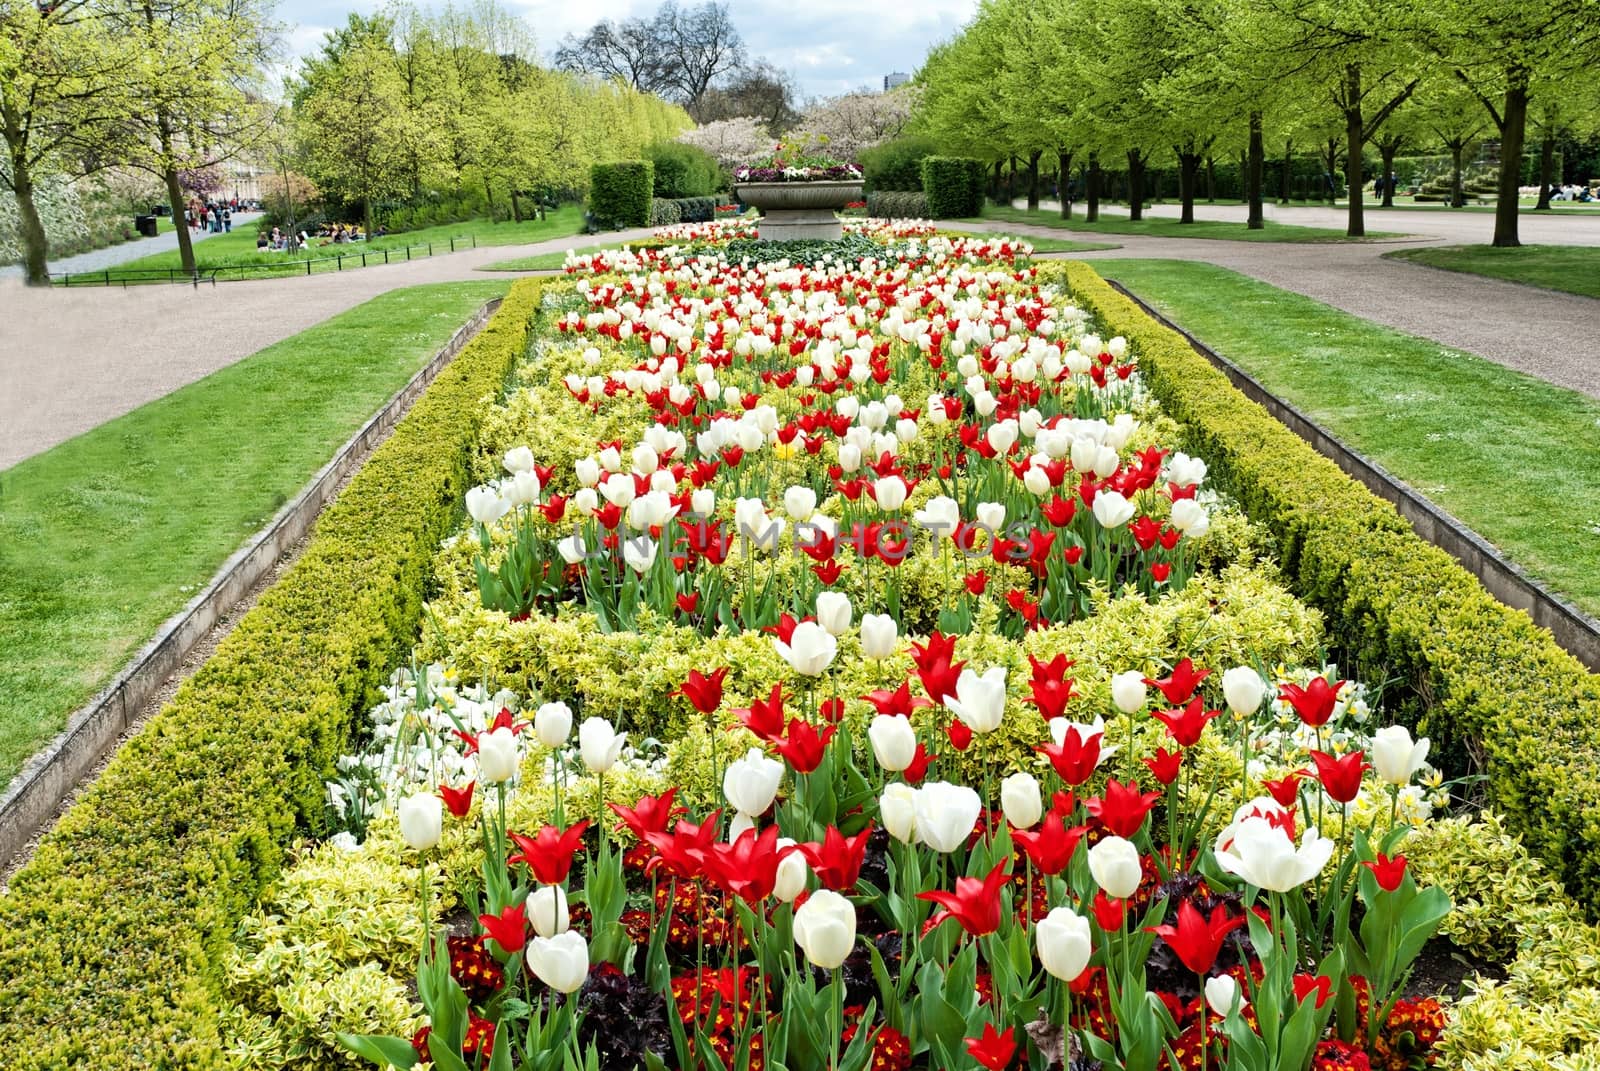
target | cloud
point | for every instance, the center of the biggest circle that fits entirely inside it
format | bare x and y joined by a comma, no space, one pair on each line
831,46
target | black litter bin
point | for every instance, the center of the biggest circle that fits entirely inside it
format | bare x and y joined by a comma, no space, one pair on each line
161,210
145,225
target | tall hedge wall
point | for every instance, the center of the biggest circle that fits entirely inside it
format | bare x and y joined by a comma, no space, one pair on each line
111,936
953,186
1492,689
619,193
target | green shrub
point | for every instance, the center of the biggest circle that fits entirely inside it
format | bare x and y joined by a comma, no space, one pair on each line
663,213
953,186
1493,691
897,204
682,170
896,165
112,936
619,193
696,209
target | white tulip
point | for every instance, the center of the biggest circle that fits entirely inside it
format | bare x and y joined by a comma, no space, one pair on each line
610,459
1190,518
1105,463
738,824
552,723
588,471
792,874
586,501
849,457
894,741
941,516
560,962
946,814
1021,801
1244,689
980,701
1114,863
518,459
421,820
485,505
547,911
498,756
645,459
1037,481
897,810
879,635
1185,471
1264,856
572,549
834,612
639,553
618,489
800,503
1395,758
1065,942
1221,992
1128,691
889,492
825,929
751,783
1112,510
703,502
600,744
810,650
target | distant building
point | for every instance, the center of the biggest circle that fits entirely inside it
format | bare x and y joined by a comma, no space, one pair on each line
898,78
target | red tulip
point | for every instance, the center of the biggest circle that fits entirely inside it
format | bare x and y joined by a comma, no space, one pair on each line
832,710
1051,696
1123,808
1049,845
975,904
689,603
703,692
458,800
764,717
935,666
1075,758
1160,571
837,860
994,1051
1186,724
976,582
1341,776
897,702
918,769
960,735
1196,939
682,852
1315,702
650,815
1181,683
828,573
1108,912
549,854
1285,789
1165,765
1305,985
509,929
804,746
1389,872
748,867
1058,511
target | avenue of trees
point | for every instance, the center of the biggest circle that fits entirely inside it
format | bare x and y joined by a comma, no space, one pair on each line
1066,85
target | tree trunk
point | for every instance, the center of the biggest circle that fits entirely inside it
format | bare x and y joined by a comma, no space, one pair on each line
488,196
994,187
516,209
1388,148
1188,173
35,246
1135,185
366,214
1547,167
1288,172
1092,194
1064,169
1255,171
1211,179
1330,162
1033,180
1513,130
1354,136
1011,185
175,194
1458,191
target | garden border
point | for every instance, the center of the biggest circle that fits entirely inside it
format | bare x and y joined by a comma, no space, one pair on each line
35,794
1505,580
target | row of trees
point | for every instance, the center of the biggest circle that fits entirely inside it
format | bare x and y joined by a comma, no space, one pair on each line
1136,81
161,86
410,102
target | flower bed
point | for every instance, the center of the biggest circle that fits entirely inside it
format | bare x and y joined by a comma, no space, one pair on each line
999,670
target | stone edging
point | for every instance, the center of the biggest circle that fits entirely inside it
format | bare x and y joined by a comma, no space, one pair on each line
35,794
1574,630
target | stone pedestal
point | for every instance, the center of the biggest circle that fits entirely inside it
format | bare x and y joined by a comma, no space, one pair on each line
795,210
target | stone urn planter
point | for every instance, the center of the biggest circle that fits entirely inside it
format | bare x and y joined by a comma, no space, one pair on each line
791,210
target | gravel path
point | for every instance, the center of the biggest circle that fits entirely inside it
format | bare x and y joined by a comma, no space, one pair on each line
112,255
72,359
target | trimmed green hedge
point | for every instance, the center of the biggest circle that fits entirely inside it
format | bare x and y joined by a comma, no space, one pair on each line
619,193
953,186
111,936
897,204
682,170
696,209
896,165
1494,691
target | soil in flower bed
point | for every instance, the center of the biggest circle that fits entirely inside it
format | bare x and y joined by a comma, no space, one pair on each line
1443,970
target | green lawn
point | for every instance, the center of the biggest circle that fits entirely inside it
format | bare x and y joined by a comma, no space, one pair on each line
1114,221
105,536
1572,268
1510,456
239,246
553,261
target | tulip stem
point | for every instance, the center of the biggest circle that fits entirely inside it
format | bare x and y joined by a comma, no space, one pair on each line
838,1015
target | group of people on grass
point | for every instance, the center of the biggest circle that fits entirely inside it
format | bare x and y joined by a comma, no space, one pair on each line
279,241
1575,192
210,216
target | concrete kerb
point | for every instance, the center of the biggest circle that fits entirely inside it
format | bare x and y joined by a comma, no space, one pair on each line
34,796
1574,630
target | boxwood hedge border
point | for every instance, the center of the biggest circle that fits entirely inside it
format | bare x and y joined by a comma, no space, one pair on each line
112,935
1494,691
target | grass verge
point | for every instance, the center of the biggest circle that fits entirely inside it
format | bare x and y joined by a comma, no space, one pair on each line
1113,222
106,535
1574,269
1511,456
239,246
